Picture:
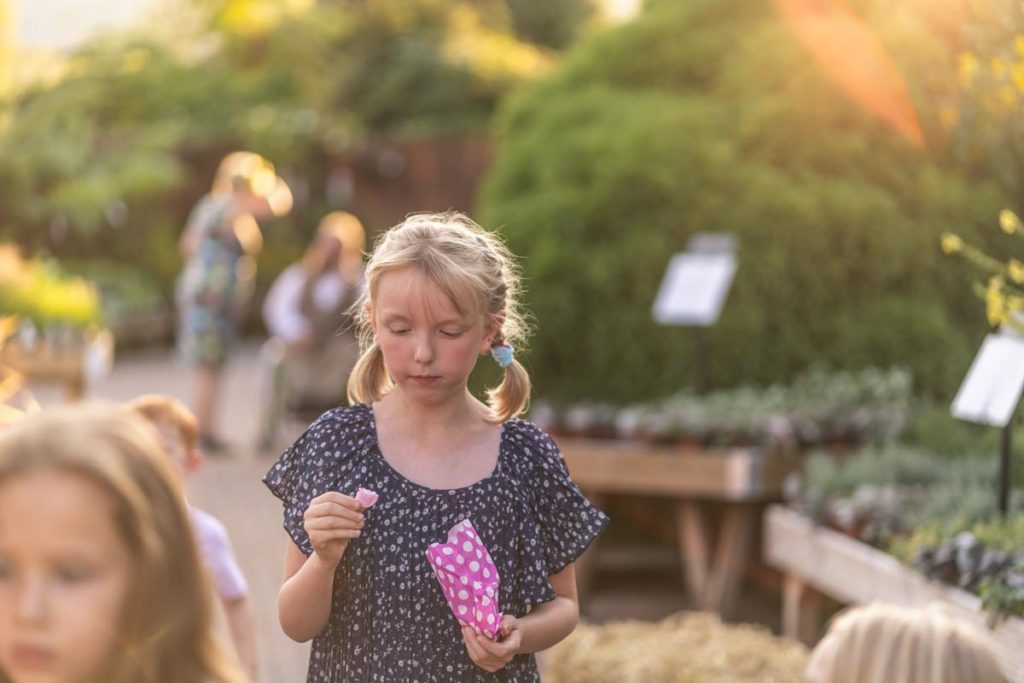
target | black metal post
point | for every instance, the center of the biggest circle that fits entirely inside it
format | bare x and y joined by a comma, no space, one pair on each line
1004,471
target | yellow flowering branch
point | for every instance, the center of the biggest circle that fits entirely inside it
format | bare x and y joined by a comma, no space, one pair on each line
1003,293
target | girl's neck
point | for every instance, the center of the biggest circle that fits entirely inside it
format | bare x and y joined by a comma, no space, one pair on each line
459,412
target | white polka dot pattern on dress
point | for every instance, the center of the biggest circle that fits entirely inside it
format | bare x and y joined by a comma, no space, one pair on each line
482,579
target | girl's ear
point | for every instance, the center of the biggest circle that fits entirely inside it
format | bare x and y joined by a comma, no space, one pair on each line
492,330
193,461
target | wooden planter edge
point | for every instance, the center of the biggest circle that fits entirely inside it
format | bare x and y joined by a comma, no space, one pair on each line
854,572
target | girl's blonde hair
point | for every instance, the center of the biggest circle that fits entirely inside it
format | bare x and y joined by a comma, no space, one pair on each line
886,644
166,625
477,272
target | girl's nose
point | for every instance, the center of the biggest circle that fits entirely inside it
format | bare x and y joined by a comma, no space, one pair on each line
32,602
424,351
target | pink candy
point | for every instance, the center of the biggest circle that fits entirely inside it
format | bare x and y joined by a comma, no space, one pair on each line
366,497
468,578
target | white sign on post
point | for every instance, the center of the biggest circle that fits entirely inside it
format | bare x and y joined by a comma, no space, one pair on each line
694,288
711,243
990,392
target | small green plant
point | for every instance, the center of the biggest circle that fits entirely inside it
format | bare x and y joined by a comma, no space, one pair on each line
984,557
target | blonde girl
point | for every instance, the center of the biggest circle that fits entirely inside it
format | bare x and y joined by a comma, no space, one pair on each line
100,580
441,292
887,644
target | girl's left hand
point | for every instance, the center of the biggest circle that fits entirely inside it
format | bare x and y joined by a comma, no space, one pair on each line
492,655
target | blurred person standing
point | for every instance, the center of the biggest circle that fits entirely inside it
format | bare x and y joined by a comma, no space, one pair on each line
314,345
220,244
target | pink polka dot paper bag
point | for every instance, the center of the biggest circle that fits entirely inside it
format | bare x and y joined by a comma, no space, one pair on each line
468,578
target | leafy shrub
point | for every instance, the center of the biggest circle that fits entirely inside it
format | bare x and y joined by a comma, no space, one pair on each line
707,116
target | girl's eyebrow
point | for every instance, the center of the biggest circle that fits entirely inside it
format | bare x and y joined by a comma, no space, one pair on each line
394,316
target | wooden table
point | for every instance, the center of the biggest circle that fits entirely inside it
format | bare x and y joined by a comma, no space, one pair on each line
43,365
740,479
817,560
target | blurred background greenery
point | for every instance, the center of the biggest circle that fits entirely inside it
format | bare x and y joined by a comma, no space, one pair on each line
598,140
597,146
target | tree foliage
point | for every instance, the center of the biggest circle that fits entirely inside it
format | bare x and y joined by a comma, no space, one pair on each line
708,116
107,158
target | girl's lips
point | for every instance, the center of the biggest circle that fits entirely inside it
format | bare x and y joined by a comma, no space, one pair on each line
32,657
425,379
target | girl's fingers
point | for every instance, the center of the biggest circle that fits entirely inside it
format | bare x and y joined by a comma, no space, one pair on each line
334,535
476,653
332,509
492,648
339,498
331,523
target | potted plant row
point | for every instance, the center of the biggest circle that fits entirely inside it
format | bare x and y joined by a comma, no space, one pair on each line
818,408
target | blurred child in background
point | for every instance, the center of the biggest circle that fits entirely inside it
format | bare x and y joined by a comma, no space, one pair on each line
177,432
888,644
100,578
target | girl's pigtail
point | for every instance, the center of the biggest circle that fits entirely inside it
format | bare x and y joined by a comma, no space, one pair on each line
512,397
369,380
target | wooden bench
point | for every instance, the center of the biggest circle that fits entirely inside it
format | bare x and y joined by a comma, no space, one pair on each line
43,365
713,552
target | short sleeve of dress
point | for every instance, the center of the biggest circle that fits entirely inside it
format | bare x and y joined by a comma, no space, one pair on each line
318,462
567,522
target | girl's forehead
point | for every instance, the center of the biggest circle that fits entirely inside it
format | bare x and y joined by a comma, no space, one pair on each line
73,501
410,293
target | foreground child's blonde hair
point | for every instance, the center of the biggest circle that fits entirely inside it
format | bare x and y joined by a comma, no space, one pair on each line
887,644
166,628
477,272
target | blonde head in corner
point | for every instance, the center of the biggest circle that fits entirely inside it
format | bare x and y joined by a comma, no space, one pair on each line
887,644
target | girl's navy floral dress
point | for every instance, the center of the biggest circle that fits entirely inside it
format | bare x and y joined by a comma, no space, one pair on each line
389,619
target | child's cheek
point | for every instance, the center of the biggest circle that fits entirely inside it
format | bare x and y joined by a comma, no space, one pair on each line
93,623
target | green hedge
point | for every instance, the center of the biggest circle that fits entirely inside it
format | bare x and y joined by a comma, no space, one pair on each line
707,116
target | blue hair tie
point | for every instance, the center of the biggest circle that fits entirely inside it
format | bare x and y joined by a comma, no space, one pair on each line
503,354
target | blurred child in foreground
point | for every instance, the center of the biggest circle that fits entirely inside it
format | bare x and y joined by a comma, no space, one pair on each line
177,432
100,579
888,644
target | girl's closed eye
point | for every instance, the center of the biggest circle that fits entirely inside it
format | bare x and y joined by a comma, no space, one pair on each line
452,333
74,572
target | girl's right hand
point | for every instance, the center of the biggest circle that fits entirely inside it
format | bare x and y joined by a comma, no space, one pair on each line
331,521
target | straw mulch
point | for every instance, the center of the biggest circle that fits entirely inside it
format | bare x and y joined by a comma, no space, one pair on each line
684,648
